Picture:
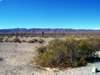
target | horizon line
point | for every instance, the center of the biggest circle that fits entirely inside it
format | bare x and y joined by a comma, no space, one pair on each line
53,28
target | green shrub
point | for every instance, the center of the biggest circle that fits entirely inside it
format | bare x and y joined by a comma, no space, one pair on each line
42,49
65,53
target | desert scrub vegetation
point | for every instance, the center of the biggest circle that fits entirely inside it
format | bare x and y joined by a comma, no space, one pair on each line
70,52
1,39
41,41
9,39
14,39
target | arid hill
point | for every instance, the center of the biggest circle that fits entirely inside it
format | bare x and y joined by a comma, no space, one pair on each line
47,32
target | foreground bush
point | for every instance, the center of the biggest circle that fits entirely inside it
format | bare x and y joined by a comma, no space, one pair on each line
66,53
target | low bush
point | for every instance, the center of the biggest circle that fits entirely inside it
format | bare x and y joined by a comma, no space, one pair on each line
16,39
41,41
1,39
70,52
36,41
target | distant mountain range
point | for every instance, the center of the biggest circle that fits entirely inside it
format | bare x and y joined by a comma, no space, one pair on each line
44,31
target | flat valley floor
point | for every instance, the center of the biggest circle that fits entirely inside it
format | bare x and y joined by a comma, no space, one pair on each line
15,59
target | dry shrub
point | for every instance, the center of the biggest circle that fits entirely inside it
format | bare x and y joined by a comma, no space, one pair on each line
67,53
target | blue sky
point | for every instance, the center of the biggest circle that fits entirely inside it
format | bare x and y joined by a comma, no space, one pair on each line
78,14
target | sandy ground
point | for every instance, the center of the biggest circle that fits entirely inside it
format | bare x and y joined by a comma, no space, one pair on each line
17,57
